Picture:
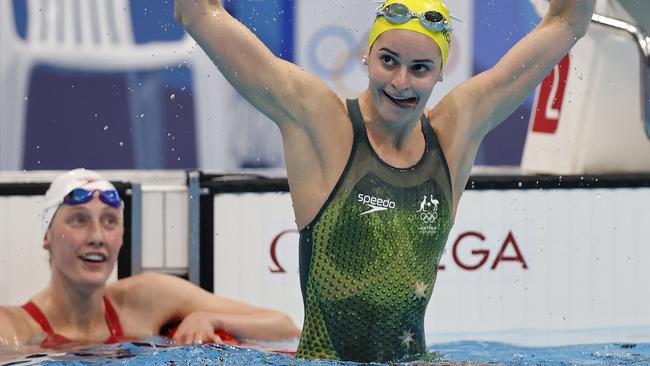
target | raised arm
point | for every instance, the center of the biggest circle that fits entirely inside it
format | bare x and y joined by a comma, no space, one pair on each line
311,117
276,87
497,92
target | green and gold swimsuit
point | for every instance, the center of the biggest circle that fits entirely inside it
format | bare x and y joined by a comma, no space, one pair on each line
368,260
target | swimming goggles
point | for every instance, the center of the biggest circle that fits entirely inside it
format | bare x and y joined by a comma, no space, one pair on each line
400,14
80,196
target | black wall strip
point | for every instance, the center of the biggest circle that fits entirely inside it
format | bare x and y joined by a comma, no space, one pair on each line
124,258
244,183
206,240
493,182
23,189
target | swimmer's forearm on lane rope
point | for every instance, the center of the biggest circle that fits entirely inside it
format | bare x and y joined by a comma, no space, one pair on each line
266,325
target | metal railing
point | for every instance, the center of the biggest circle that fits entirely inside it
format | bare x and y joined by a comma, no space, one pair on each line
643,41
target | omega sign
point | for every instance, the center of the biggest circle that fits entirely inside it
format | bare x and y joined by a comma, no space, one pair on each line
479,255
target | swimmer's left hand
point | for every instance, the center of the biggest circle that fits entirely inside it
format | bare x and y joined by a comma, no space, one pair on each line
198,327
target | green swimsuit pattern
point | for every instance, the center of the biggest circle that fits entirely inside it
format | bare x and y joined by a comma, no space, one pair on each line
368,261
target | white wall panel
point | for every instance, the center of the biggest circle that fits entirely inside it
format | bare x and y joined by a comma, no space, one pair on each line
245,227
175,229
24,264
153,230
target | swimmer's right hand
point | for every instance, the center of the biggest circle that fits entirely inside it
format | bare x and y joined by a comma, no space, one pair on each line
187,12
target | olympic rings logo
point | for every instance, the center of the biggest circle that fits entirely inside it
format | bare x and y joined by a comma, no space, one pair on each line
343,62
429,217
338,44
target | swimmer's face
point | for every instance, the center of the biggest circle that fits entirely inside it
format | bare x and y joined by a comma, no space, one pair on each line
403,68
84,241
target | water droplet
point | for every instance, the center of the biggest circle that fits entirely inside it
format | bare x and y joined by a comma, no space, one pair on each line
141,115
105,127
121,144
172,97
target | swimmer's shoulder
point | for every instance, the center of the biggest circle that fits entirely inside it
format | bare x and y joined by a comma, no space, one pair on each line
129,288
137,290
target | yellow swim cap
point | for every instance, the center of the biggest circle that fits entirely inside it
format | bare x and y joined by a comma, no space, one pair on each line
442,37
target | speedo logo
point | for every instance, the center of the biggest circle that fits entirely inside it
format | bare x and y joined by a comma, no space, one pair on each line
375,204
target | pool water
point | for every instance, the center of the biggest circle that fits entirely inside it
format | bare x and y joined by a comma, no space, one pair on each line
456,353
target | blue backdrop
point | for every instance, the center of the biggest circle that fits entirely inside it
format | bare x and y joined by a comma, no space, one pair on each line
128,120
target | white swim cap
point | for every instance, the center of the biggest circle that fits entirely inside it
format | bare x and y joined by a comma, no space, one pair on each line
64,184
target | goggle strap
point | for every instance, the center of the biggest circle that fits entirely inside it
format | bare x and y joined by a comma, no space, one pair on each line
456,18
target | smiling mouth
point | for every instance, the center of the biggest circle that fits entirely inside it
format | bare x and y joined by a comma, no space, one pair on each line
409,103
93,257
